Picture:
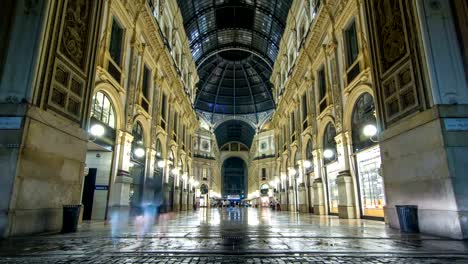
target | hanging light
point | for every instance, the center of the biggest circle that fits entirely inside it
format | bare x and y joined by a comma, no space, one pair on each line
175,171
196,183
328,153
307,164
161,163
97,130
139,152
369,130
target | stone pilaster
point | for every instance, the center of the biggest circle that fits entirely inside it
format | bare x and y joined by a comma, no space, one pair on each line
121,190
176,199
184,200
319,201
346,201
302,198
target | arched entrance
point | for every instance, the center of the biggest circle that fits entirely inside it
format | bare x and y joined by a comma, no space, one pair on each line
234,177
99,157
368,161
331,167
137,169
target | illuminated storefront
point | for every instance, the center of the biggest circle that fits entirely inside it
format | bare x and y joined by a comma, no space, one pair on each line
368,161
331,167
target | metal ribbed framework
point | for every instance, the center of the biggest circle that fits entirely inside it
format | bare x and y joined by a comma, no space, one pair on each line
234,86
254,25
234,130
234,44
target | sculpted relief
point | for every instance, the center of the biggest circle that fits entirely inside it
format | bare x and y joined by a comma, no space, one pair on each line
75,31
391,33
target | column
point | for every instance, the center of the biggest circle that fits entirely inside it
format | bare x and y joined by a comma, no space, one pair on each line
319,202
184,200
423,142
121,190
318,193
302,198
346,201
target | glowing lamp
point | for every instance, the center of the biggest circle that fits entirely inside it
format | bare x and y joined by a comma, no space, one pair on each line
139,152
369,130
307,164
161,163
97,130
328,153
292,172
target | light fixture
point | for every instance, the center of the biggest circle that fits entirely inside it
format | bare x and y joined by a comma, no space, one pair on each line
307,164
292,172
369,130
139,152
328,153
184,176
97,130
195,183
161,163
175,171
283,176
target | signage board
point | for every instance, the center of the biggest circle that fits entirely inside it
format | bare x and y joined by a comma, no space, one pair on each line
101,187
10,122
456,124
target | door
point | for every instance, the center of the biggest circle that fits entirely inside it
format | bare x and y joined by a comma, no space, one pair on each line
88,194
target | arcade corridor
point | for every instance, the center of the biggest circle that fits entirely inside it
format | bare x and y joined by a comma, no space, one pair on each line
340,128
234,235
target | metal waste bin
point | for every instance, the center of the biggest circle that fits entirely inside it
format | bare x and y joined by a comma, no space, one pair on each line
71,215
408,218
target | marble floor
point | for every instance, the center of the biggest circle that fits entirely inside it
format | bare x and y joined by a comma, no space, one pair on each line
233,235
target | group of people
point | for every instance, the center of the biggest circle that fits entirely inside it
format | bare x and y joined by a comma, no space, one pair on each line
275,205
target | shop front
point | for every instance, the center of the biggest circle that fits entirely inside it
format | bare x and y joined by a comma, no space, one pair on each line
99,158
137,171
368,160
331,168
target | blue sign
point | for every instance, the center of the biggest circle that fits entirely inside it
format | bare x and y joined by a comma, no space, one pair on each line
101,187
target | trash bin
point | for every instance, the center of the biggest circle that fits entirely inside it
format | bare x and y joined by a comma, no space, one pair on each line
71,215
408,218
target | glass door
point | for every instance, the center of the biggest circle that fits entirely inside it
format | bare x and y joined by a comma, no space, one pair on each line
370,182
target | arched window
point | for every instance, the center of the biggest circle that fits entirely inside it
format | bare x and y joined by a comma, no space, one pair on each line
158,148
138,142
103,110
329,144
264,189
363,114
309,156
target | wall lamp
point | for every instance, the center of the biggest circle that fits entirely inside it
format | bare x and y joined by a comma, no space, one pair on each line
370,131
97,130
139,152
161,163
328,153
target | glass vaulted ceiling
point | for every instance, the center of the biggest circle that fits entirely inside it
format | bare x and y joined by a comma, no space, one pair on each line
234,44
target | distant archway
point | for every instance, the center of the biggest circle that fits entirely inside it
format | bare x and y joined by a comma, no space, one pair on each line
234,177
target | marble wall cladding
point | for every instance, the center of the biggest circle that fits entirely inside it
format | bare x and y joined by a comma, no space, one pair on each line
421,170
49,174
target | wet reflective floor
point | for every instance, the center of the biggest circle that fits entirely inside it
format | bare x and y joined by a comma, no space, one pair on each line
234,235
